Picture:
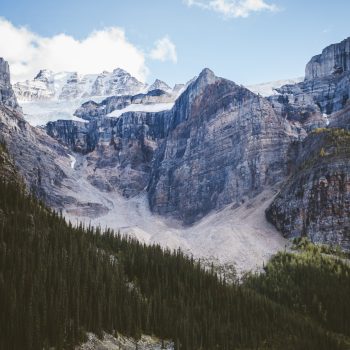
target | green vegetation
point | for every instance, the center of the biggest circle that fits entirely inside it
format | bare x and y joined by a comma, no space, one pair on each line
303,244
324,145
314,281
58,281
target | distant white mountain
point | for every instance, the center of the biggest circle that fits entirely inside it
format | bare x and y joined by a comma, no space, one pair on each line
268,89
160,85
48,85
51,96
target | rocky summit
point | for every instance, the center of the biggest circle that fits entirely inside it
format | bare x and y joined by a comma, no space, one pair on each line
334,59
7,96
314,200
219,144
224,144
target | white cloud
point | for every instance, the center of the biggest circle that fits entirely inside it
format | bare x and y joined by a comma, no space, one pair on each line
233,8
105,49
164,50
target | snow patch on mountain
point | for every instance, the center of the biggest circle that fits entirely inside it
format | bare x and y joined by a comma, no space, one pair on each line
73,161
160,85
41,112
156,107
268,88
48,85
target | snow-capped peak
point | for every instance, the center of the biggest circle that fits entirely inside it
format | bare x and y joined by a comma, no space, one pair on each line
269,88
160,85
48,85
44,75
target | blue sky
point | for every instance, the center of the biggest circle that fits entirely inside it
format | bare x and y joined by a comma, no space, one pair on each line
274,43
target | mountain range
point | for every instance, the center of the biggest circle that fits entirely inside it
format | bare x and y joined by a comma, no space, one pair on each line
204,216
48,85
196,166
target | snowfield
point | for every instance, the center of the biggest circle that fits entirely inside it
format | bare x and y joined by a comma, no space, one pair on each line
39,113
155,107
268,89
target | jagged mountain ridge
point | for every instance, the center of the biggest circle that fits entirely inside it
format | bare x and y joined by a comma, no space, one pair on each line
334,59
315,200
52,96
48,85
165,143
160,85
70,85
181,183
92,185
219,146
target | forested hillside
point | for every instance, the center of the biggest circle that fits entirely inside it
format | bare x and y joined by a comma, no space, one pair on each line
314,281
58,281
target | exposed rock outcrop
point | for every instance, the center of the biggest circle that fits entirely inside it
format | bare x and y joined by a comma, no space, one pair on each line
119,82
308,101
219,144
224,143
91,110
160,85
325,90
41,161
120,149
315,201
7,96
334,59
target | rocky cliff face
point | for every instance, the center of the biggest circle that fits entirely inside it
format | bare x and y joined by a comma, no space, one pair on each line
325,90
310,100
315,201
334,59
119,82
224,144
7,96
41,161
92,110
219,144
35,154
119,149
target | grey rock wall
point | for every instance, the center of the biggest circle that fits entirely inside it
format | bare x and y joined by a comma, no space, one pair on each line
224,144
315,200
7,96
334,59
